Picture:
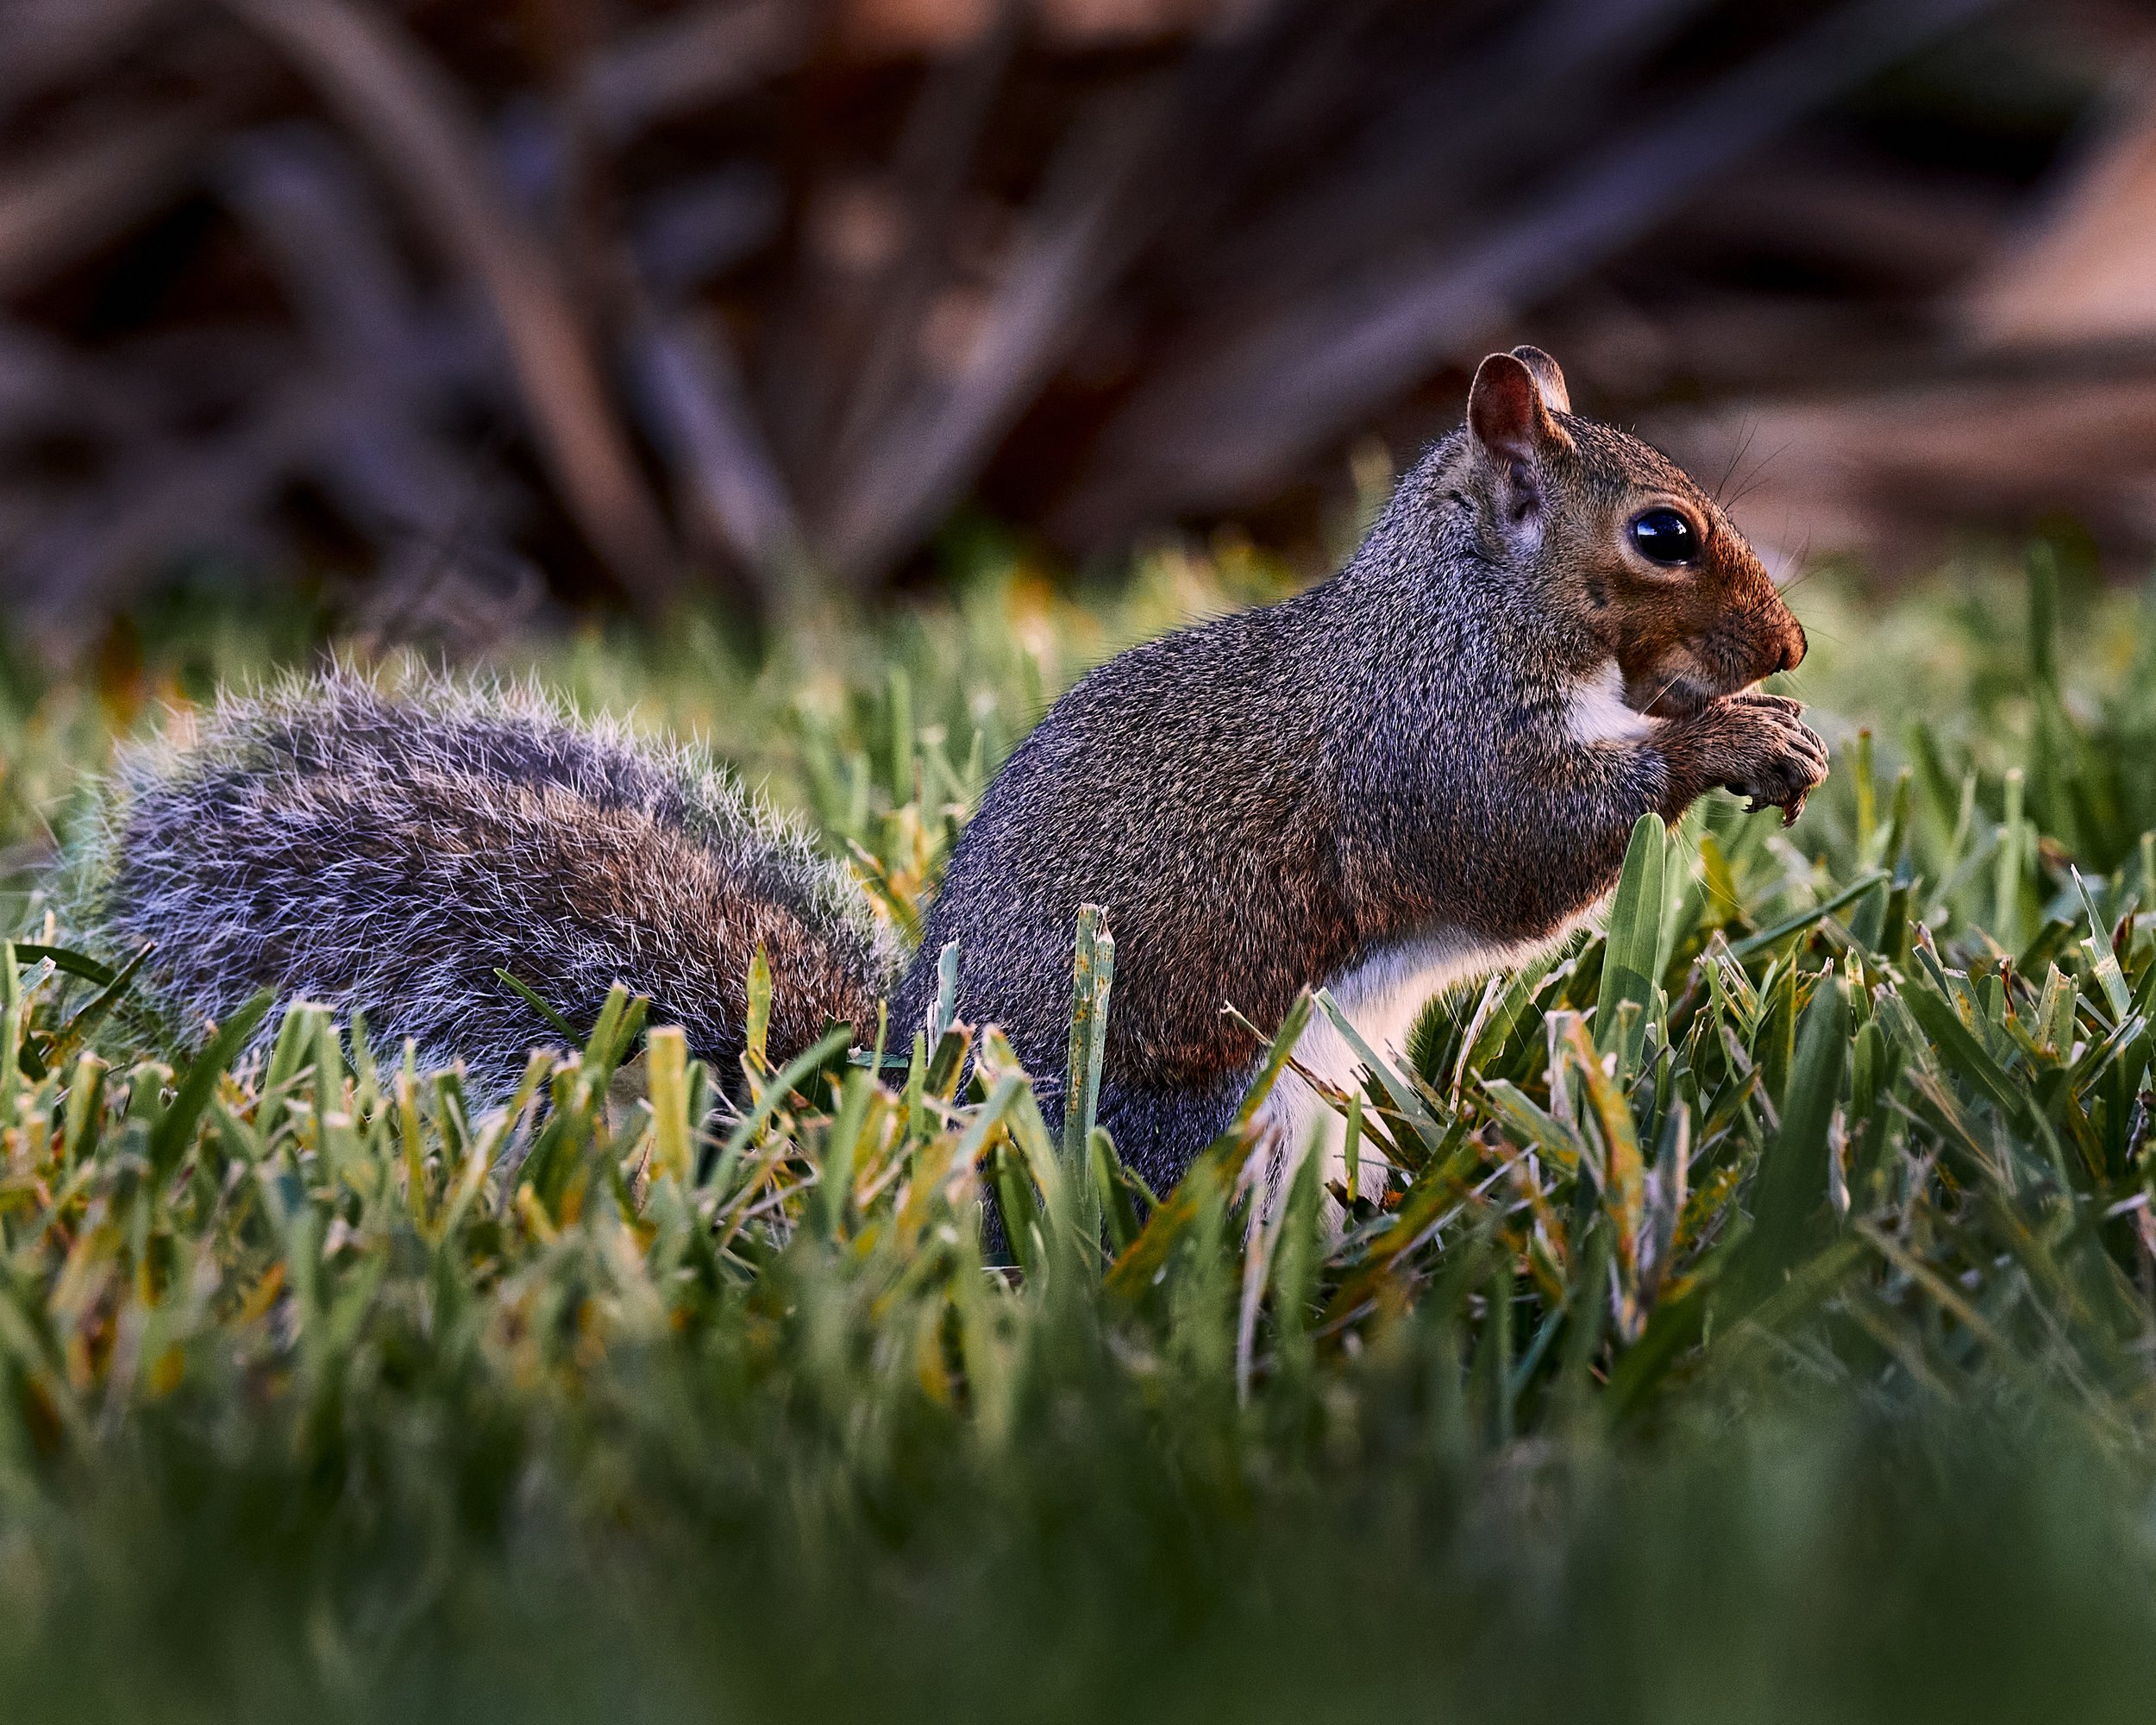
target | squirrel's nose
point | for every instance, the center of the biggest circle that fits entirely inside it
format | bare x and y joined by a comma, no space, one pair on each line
1793,646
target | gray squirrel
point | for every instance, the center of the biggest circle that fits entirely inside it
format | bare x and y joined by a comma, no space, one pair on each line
1427,765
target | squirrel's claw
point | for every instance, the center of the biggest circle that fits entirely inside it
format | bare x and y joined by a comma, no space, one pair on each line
1785,764
1790,810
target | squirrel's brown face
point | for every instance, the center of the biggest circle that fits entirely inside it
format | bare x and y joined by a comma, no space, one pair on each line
1626,546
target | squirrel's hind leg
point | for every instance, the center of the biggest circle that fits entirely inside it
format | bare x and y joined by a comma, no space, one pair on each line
1159,1133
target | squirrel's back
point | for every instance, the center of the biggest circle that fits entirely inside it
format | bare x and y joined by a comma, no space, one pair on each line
391,852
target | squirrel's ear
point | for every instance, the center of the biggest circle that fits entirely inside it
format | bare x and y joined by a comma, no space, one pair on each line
1507,413
1549,380
1509,420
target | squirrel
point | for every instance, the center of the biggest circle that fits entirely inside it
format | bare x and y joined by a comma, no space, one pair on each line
1428,765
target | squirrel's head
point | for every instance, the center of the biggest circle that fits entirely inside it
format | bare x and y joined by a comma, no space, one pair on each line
1622,543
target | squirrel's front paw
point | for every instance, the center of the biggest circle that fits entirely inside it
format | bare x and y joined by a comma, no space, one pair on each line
1773,757
1757,745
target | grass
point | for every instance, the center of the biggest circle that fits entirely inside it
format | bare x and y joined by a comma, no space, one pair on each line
1748,1315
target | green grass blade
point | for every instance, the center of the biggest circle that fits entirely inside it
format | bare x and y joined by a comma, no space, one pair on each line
561,1026
1398,1091
175,1127
73,963
1633,940
1093,976
1791,1190
1801,920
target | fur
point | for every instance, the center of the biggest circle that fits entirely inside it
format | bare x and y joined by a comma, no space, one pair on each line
1429,762
386,852
1382,996
1431,759
1596,711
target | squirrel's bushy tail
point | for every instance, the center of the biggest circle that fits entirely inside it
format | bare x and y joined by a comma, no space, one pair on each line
390,851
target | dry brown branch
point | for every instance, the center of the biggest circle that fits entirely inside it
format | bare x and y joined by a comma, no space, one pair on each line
699,416
942,136
1211,435
188,496
958,254
693,59
303,197
79,194
2088,271
394,97
41,382
931,444
384,460
1427,154
50,42
1911,470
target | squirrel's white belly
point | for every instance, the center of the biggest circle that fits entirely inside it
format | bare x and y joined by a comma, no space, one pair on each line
1597,712
1383,996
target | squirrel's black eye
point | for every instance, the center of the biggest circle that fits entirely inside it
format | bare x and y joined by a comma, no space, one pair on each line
1665,535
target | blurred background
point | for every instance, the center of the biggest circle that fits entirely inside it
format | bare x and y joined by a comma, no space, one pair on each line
459,314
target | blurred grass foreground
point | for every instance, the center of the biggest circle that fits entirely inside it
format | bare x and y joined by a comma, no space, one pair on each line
1747,1313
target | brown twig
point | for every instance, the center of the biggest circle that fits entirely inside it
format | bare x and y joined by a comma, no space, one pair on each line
693,59
388,89
1213,434
690,389
79,194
